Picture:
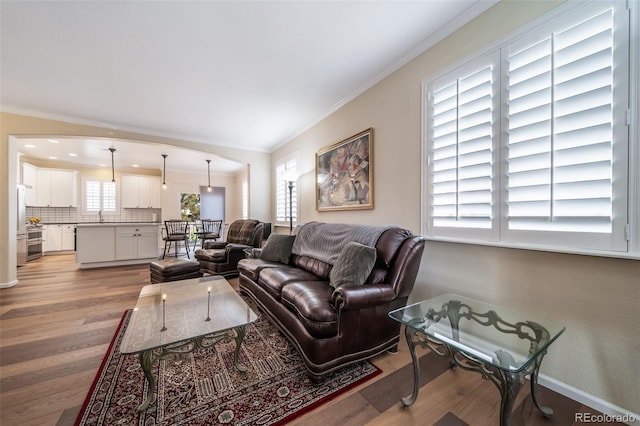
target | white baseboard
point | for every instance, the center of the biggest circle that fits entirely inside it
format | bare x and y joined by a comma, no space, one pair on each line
9,284
607,408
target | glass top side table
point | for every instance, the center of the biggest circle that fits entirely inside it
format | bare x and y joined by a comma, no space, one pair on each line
503,345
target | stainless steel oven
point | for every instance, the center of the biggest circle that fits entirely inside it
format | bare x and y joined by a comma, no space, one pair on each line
34,242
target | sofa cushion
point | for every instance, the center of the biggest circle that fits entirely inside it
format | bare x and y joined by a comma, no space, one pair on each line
311,302
251,267
274,279
353,266
277,248
316,267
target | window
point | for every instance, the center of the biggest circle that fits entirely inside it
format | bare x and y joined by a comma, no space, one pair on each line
189,206
245,199
100,196
529,143
286,170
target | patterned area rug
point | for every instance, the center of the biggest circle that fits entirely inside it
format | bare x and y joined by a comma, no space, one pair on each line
204,388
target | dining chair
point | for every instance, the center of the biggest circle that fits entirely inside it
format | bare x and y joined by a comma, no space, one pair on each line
208,229
176,231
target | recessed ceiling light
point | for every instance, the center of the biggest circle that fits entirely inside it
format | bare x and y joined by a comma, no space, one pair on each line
71,154
135,165
53,158
102,165
53,141
29,146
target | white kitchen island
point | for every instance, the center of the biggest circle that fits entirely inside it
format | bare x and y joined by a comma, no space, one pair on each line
112,244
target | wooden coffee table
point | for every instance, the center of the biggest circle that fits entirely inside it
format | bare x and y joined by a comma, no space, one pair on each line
178,317
502,345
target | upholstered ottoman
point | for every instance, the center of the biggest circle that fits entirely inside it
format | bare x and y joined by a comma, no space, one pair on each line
173,270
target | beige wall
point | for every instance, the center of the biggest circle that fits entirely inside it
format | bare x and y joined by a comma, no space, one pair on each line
20,125
596,298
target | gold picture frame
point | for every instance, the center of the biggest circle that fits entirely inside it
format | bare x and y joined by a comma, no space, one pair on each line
344,174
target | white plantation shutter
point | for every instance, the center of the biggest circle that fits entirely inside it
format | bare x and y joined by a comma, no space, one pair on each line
99,196
245,200
108,197
92,196
533,147
463,122
561,134
285,167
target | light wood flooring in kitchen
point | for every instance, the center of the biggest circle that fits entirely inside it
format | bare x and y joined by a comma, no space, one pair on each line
57,323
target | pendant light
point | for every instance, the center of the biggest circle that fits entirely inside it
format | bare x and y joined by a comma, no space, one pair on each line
164,171
208,176
113,173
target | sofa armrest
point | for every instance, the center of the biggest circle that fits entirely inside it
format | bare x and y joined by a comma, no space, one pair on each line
233,247
252,253
352,298
215,244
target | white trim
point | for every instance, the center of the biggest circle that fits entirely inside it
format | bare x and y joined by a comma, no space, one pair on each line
585,398
424,167
634,132
9,284
91,265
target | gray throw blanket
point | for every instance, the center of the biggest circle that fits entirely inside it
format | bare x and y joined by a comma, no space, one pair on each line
324,241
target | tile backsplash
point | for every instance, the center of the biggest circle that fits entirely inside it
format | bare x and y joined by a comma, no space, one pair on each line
74,215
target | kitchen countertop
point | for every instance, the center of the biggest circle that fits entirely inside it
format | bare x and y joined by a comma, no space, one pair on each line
93,224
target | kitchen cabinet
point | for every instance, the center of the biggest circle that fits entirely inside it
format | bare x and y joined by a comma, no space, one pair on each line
59,237
56,188
68,237
96,245
100,245
136,242
29,178
140,192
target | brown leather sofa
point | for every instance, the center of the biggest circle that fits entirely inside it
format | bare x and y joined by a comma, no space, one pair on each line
221,257
334,327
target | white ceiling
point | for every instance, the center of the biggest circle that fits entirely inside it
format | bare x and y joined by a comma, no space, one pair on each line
247,74
75,151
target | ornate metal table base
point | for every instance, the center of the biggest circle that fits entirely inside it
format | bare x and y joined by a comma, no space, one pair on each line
508,383
148,358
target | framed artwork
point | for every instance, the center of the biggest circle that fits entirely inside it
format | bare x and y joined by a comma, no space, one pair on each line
344,174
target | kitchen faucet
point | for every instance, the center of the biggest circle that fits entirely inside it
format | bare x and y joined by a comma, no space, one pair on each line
100,216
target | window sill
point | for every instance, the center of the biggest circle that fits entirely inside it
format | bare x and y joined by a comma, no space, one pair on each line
584,252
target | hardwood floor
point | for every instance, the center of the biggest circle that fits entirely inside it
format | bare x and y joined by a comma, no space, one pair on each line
56,325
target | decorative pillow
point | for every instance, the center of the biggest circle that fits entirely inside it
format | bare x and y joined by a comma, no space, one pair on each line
277,248
353,266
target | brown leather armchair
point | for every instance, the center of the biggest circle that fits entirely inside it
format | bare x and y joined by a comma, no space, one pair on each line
221,257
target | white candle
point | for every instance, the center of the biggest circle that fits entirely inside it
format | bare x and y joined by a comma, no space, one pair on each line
164,299
208,303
